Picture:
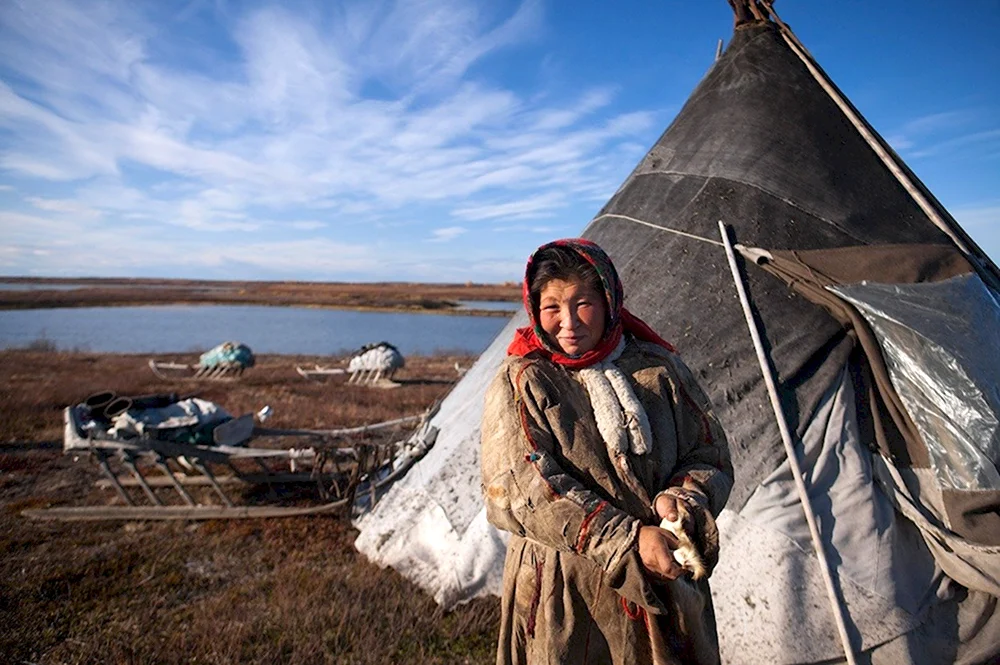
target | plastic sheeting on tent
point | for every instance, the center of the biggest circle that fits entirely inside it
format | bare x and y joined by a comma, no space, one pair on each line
762,145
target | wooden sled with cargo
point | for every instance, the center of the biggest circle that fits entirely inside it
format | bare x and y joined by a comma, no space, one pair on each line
173,457
225,362
372,365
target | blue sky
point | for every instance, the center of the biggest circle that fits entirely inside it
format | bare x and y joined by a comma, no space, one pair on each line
415,140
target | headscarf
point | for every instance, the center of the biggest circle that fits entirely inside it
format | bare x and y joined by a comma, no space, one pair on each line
612,398
532,339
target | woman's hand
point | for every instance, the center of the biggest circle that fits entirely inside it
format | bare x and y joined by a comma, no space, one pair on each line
684,511
666,503
656,550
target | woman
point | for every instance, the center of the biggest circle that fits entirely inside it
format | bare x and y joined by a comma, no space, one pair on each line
593,432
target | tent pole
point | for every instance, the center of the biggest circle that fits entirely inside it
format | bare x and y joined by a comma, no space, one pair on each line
793,461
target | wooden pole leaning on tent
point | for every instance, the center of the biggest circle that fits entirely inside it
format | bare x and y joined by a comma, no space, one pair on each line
800,485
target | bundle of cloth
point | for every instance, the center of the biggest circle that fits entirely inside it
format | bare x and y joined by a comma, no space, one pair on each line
166,417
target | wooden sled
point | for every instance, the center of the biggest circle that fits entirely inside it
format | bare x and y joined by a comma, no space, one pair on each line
184,372
319,372
372,378
157,479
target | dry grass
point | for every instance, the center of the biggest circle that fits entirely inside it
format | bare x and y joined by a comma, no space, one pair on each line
289,590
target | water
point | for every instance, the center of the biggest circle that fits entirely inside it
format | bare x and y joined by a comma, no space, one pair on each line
491,305
287,330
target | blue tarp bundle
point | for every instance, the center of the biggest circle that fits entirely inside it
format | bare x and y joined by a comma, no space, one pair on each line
230,354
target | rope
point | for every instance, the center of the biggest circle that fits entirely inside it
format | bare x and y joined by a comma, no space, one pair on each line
839,611
658,227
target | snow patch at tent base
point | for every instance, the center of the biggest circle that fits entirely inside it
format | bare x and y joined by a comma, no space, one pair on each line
452,567
431,525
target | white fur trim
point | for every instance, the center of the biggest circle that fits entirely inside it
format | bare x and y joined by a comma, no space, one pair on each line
621,420
607,410
634,415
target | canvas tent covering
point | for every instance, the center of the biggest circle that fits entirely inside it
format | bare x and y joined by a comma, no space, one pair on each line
882,323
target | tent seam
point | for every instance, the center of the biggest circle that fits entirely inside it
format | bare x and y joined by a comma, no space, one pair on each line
789,202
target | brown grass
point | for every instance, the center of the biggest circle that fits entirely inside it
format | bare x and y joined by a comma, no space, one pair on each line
290,590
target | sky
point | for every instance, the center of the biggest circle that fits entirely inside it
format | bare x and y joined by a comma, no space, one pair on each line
415,140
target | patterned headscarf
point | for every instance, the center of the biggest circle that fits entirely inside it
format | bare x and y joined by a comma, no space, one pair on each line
532,339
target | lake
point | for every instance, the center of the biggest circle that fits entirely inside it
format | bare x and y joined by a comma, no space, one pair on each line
491,305
287,330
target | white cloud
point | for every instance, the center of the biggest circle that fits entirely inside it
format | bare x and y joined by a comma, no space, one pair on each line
985,216
448,233
313,256
936,122
63,206
537,206
973,140
19,229
537,230
983,224
307,225
366,112
965,131
899,142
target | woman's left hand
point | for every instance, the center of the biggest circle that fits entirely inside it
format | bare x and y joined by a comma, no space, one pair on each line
666,503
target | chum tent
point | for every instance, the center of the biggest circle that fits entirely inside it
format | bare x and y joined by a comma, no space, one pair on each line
880,317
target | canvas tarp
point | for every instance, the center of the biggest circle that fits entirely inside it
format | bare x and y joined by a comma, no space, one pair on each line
929,329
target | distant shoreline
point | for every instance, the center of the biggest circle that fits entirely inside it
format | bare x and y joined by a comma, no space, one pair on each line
415,298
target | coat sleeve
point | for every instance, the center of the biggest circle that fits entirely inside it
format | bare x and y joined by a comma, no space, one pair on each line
703,453
527,492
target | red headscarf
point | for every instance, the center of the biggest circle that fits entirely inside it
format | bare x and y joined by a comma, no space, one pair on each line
532,339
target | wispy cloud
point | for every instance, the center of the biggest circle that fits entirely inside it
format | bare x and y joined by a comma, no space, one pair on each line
448,233
988,215
982,222
975,140
63,206
935,122
541,205
307,225
963,131
279,126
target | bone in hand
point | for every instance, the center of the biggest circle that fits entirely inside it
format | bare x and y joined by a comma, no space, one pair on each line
686,553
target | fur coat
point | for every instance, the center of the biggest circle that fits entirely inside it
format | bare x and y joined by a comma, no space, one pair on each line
574,589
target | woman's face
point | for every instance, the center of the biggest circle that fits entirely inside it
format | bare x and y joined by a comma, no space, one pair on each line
572,315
